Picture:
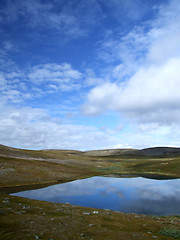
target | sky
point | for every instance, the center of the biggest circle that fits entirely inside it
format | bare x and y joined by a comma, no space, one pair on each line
89,74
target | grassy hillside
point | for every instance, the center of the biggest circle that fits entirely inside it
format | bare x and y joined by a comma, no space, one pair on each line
29,167
22,218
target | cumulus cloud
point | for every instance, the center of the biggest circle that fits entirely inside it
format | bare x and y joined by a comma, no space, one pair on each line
35,128
152,92
153,87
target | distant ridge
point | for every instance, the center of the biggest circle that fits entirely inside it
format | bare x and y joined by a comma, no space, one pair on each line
154,151
158,151
33,154
147,152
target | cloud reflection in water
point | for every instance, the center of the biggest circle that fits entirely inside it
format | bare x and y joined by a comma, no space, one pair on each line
130,195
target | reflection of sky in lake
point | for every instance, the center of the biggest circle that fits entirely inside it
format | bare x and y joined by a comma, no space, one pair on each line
130,195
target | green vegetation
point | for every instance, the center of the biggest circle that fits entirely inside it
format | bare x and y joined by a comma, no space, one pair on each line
143,166
170,232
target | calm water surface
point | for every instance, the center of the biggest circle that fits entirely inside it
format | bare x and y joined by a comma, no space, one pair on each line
129,195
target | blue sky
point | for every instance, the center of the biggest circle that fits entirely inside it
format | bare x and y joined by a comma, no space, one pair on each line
89,74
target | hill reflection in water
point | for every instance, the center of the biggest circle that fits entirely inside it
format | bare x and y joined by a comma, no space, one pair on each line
130,195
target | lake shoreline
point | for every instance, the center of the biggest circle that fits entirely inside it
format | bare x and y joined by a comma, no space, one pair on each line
18,188
136,195
22,218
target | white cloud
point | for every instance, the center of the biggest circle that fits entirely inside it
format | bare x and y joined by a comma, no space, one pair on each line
152,42
5,48
140,78
145,86
124,53
59,76
91,78
35,128
11,89
154,89
18,86
53,73
152,94
165,34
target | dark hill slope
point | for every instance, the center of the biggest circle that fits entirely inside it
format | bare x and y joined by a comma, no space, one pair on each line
147,152
160,151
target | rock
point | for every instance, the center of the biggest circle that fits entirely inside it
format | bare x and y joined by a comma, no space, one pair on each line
117,211
95,212
6,200
37,237
86,213
18,212
91,225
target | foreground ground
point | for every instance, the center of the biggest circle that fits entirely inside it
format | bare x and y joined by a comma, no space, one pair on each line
29,219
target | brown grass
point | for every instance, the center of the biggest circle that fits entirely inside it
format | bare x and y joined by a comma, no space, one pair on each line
28,219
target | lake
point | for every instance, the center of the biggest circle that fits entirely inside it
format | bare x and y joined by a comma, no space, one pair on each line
129,195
